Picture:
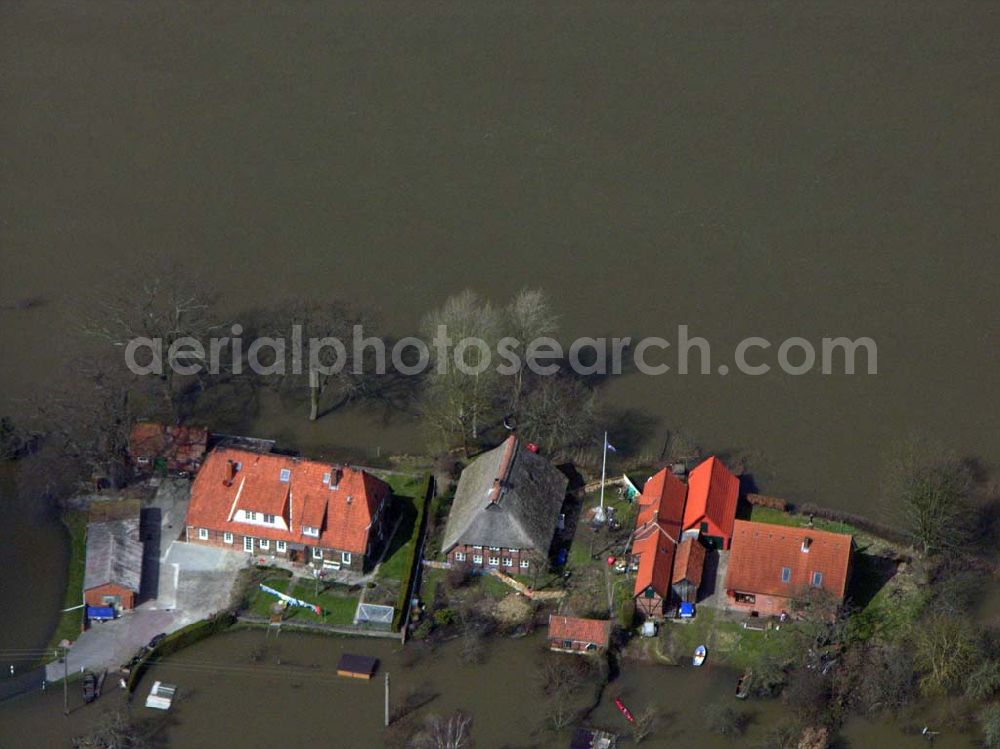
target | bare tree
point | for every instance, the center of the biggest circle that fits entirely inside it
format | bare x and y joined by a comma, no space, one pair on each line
451,732
459,404
645,723
165,306
926,492
946,650
114,729
528,316
558,413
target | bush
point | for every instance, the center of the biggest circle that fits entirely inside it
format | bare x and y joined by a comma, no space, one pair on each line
444,617
989,721
984,682
725,720
626,614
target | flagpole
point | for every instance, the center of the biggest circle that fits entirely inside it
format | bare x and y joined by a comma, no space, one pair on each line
604,473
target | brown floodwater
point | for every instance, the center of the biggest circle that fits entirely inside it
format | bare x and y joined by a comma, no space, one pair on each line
768,169
267,690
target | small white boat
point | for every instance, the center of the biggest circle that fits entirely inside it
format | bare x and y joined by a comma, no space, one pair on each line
161,696
700,653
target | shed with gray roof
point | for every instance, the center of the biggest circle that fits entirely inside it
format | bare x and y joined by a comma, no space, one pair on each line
114,563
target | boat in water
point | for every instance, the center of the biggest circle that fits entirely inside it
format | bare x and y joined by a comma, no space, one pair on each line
700,653
624,710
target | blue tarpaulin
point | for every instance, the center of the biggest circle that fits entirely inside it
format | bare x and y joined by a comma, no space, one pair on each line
686,610
100,613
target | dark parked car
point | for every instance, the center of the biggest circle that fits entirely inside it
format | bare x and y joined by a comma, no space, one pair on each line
157,639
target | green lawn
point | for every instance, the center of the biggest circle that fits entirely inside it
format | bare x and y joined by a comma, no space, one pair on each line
70,622
777,517
337,602
408,498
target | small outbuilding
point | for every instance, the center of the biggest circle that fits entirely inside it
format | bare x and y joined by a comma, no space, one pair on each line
113,571
357,666
689,565
569,634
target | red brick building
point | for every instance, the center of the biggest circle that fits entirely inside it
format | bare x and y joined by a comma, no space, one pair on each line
154,446
772,565
712,495
277,506
568,634
505,510
654,544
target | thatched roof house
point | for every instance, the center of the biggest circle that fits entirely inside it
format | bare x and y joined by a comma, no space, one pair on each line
507,499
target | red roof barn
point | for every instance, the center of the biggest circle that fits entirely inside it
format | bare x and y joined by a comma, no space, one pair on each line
711,502
658,530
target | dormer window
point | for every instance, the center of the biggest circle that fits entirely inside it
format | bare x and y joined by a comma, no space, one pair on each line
326,478
308,530
285,476
806,543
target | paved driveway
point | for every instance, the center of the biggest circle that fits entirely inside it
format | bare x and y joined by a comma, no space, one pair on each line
181,584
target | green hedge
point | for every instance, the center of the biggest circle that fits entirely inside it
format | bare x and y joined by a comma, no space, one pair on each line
413,562
182,638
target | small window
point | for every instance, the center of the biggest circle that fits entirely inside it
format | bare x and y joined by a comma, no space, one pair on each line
285,476
512,551
477,558
282,546
817,580
508,562
345,557
227,537
524,564
459,556
265,543
786,574
326,478
269,519
251,515
478,548
317,553
494,548
203,534
494,561
310,531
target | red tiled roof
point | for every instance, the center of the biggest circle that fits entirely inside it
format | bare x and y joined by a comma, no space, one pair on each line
658,529
712,493
303,500
760,551
689,562
580,630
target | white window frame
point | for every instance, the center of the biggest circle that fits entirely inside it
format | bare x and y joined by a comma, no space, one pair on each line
494,548
478,548
227,537
281,546
459,556
512,551
508,562
317,553
248,544
524,564
816,583
345,557
265,543
250,515
203,534
308,530
494,561
285,475
477,558
269,519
